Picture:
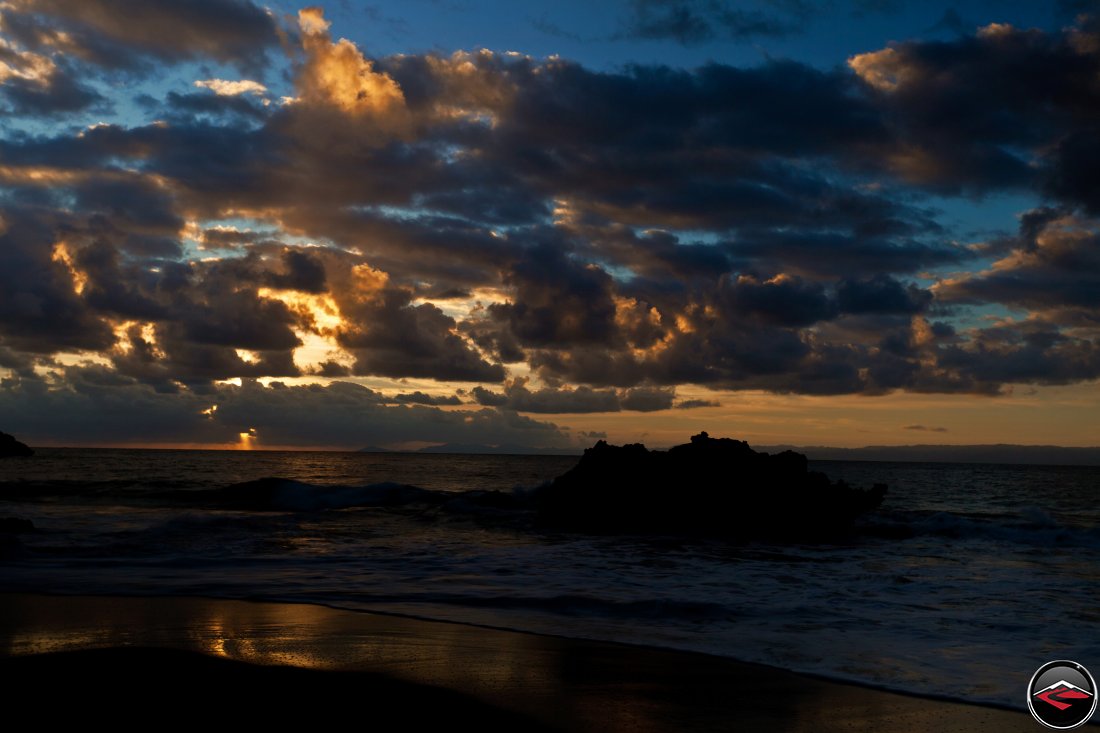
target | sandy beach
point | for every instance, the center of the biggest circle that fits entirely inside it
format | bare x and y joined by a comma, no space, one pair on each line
278,662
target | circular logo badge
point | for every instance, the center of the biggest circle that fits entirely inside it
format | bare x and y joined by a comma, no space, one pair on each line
1062,695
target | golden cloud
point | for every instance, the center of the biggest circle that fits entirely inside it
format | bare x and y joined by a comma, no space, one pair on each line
224,88
884,70
336,75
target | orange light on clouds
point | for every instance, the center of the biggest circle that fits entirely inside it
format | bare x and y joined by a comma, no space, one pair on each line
319,311
64,256
320,318
248,440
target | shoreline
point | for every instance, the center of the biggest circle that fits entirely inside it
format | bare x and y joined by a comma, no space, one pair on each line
642,647
558,682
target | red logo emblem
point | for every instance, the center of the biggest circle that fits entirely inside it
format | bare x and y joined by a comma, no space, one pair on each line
1062,694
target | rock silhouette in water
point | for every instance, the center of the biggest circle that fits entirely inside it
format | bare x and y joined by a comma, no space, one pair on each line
710,486
10,447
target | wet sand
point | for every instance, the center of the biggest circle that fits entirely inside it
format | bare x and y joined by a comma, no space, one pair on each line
196,659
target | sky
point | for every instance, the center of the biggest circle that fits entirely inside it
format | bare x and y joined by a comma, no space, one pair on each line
401,224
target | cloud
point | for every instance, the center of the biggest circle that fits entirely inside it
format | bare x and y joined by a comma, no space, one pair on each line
117,34
302,271
558,300
93,405
36,84
488,398
647,399
552,400
41,310
881,294
695,404
224,88
187,107
1054,265
336,79
925,428
1019,100
782,300
420,398
391,337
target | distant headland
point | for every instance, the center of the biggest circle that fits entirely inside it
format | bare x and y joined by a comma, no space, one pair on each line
1037,455
12,448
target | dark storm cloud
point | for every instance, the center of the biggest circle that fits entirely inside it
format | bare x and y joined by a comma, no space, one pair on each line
113,286
710,156
552,400
1056,266
417,249
695,404
240,320
647,399
129,205
558,300
228,238
787,301
1022,353
488,398
420,398
302,272
824,254
213,303
207,103
391,337
56,95
1071,177
977,113
40,311
881,294
494,338
120,34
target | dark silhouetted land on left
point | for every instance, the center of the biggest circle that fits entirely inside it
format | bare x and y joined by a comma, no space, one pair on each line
12,448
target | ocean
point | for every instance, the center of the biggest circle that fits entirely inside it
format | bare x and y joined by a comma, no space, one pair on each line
964,582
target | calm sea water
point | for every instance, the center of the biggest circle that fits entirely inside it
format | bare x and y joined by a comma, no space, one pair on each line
968,578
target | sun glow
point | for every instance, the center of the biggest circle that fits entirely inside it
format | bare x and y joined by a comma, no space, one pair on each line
247,440
317,312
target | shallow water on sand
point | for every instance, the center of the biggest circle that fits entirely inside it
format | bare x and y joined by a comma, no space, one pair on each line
996,572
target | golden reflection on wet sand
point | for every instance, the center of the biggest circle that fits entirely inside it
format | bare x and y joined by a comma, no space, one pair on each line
567,684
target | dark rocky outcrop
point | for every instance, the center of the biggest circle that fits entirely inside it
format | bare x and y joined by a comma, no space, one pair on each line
708,486
12,448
